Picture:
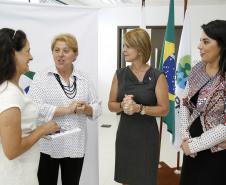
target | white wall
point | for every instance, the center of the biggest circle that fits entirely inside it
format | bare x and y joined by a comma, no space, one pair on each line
41,23
110,18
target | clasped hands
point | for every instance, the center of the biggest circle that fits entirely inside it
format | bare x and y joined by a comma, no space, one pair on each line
185,147
129,106
78,107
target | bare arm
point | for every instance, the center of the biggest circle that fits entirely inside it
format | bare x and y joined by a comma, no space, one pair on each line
62,111
11,135
161,91
113,105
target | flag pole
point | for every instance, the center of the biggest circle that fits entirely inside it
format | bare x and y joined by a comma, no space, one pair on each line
160,138
177,171
185,6
142,15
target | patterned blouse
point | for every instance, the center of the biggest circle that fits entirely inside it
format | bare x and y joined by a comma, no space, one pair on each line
210,108
48,94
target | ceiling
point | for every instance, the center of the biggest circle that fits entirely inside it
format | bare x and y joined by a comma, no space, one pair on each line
138,2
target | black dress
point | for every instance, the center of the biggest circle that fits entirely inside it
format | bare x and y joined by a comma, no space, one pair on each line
137,140
206,168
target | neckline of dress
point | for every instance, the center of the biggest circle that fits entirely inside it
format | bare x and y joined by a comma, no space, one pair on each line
136,76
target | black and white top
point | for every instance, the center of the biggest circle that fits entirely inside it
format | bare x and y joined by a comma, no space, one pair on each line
46,91
210,108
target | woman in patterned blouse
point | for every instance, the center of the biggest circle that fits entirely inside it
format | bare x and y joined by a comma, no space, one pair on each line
65,95
203,111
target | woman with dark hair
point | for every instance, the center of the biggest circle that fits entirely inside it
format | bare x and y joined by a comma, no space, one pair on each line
203,111
19,153
140,93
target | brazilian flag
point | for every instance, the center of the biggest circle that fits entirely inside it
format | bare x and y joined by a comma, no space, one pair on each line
168,66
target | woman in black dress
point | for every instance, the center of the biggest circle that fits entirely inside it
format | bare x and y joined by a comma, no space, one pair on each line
203,112
140,93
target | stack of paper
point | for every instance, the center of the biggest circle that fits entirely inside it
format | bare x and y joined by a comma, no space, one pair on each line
62,132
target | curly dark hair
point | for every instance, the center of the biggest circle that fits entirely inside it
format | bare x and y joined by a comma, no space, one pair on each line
10,41
217,30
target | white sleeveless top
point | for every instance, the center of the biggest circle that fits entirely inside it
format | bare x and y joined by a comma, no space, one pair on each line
23,169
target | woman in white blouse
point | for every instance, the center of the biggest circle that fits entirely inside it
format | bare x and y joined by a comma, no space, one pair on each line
19,153
65,95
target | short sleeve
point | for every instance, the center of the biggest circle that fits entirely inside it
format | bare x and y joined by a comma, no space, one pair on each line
9,98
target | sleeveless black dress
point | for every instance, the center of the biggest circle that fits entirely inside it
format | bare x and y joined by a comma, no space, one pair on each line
137,139
206,168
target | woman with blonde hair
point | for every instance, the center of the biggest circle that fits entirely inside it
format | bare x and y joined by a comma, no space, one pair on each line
64,94
139,92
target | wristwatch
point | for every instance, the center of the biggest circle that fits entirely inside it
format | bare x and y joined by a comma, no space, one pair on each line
142,112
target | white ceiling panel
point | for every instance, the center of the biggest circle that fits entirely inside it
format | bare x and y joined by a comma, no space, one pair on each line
138,2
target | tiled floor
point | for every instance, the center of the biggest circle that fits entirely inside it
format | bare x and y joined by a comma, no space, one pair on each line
107,145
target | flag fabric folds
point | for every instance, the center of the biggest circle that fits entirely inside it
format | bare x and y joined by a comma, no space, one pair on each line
168,66
182,72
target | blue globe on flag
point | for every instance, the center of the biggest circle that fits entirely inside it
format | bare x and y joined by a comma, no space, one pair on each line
169,67
183,71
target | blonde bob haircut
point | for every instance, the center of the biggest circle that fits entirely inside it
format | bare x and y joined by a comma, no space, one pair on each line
139,39
69,39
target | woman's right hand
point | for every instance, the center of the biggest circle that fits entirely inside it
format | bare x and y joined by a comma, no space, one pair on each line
73,107
48,128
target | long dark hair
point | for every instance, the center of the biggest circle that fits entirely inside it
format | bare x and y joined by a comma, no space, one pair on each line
10,41
217,30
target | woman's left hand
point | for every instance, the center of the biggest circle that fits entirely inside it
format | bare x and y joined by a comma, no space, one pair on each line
81,107
130,108
222,145
84,108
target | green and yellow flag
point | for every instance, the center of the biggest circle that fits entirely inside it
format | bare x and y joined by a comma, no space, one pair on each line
168,66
